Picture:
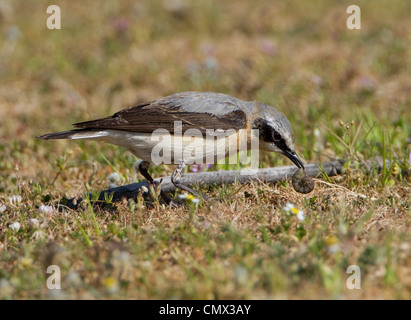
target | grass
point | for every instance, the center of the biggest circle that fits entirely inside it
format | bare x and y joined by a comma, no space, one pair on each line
346,93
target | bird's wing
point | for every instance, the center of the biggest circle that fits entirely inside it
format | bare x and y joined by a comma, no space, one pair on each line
194,109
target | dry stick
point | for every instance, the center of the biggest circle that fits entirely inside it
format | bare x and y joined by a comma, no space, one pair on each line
331,168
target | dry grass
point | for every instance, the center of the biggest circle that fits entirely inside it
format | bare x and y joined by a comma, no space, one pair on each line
111,55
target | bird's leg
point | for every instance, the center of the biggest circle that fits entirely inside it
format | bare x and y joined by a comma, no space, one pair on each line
143,168
176,178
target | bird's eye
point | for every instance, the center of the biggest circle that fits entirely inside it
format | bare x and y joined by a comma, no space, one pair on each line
276,136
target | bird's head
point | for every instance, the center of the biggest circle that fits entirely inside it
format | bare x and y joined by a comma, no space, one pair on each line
276,133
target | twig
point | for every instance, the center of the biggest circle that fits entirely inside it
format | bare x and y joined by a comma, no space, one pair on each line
331,168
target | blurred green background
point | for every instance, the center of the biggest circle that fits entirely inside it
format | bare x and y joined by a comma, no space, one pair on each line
345,92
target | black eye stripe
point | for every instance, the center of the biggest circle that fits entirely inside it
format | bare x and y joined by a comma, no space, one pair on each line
276,135
268,134
264,130
279,141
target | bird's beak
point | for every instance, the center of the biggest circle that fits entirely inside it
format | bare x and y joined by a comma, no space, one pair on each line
294,158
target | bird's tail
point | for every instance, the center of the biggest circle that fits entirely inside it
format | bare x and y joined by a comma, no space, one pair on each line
75,134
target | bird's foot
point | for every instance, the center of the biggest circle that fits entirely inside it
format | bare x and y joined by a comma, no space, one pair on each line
176,180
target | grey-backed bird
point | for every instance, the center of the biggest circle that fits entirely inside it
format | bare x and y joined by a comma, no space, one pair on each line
140,128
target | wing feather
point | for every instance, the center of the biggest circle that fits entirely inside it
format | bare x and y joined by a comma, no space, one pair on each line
194,109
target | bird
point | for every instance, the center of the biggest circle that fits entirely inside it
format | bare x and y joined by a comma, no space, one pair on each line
143,127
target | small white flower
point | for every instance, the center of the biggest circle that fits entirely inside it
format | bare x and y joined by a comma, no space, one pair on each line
334,248
15,200
189,198
111,284
146,265
240,274
46,209
114,177
6,288
2,208
206,225
38,234
290,208
73,278
15,226
121,259
300,215
211,63
333,244
33,223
